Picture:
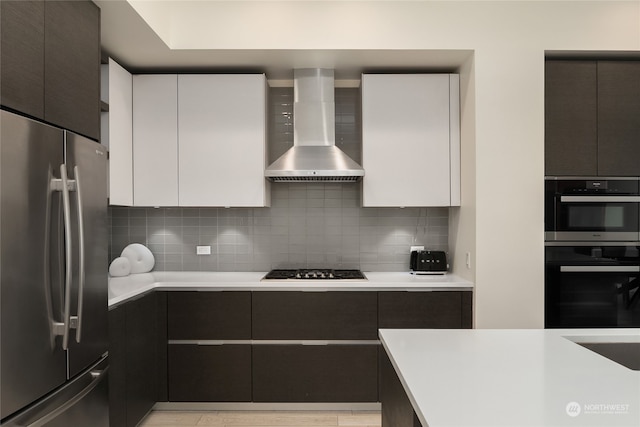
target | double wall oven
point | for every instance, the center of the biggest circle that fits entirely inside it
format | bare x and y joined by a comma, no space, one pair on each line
592,252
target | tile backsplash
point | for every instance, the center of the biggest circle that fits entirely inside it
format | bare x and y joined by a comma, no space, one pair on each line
307,226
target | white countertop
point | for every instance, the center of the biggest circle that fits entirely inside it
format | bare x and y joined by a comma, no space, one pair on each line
514,377
124,288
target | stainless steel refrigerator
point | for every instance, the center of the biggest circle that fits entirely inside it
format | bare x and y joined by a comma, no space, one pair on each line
53,270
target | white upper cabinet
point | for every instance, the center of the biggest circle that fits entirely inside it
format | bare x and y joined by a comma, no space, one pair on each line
116,129
410,140
222,140
155,140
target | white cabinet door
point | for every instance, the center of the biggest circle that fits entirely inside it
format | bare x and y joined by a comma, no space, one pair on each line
155,140
221,133
117,132
407,148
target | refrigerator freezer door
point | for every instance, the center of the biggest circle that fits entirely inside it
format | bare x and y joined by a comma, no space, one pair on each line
87,164
81,402
32,361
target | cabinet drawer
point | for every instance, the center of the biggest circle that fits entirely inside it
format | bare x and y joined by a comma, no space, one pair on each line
330,373
314,315
209,315
424,309
209,373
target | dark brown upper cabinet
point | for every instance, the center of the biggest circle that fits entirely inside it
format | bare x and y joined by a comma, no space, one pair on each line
22,56
618,118
591,118
72,66
50,62
571,114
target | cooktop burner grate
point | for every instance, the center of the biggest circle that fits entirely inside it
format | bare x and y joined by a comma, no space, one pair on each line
314,274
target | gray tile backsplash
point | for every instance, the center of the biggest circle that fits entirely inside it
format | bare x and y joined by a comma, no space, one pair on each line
308,225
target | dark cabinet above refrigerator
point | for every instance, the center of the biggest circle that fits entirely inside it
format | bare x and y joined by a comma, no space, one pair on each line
50,62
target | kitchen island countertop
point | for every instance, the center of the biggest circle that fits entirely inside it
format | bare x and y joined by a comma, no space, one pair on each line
514,377
122,289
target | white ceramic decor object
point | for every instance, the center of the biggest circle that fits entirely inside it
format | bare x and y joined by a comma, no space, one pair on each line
140,258
120,267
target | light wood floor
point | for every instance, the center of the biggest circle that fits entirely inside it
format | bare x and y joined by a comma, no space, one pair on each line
263,418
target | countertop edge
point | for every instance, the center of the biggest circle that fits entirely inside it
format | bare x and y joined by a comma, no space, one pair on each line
135,286
407,389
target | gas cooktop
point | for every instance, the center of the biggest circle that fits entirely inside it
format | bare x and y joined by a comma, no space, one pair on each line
315,274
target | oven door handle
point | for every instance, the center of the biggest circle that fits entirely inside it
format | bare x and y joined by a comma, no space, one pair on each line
599,269
600,199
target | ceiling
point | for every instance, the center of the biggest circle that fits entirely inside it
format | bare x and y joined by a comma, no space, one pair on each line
130,40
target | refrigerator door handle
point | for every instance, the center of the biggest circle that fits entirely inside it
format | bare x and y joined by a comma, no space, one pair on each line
53,409
65,186
81,257
57,328
68,253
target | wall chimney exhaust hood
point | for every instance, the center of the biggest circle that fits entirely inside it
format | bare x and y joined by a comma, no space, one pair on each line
314,155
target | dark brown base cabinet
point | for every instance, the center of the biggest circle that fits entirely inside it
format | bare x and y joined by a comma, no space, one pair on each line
315,373
397,410
137,357
217,346
117,367
315,316
209,315
426,310
209,373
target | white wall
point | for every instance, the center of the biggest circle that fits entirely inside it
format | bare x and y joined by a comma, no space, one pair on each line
501,220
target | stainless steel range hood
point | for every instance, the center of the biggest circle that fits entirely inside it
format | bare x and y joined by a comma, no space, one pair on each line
314,155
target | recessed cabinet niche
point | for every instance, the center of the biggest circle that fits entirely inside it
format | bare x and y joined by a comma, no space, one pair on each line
410,140
199,140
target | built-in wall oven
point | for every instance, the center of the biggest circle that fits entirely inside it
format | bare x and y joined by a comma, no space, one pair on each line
592,209
592,252
592,285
